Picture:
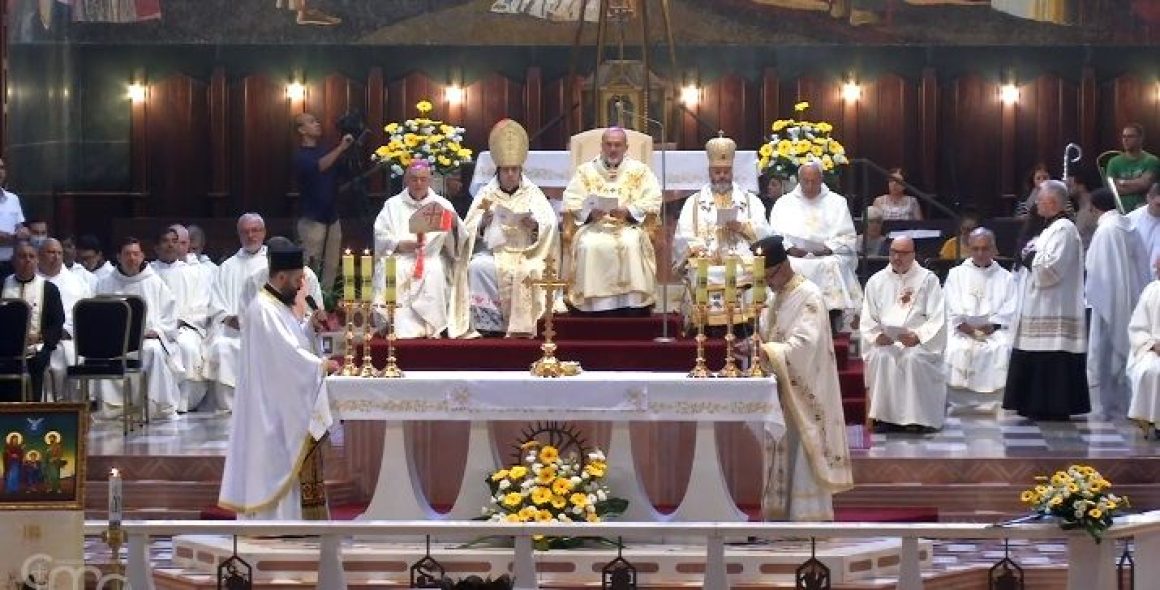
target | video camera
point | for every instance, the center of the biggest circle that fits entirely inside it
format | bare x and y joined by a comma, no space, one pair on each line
352,124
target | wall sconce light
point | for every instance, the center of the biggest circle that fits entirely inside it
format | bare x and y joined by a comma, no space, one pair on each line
1009,93
851,91
136,92
296,91
454,94
690,95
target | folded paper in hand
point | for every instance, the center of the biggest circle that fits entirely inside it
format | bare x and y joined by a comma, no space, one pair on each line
726,215
596,202
893,332
431,217
977,321
506,216
810,246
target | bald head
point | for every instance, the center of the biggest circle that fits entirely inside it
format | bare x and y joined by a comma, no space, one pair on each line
51,257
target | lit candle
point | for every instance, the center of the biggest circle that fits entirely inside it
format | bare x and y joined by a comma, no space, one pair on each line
702,281
347,276
730,280
389,279
365,267
115,499
759,278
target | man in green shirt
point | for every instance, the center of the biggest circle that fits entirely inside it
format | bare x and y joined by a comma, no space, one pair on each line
1134,170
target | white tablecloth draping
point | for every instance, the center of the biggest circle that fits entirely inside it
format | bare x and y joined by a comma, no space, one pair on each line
684,170
607,396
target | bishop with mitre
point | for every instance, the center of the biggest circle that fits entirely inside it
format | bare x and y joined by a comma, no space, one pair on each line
811,462
612,260
513,228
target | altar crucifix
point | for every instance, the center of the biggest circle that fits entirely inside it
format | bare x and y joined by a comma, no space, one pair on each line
548,365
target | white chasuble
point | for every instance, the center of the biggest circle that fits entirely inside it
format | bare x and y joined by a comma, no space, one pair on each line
979,297
226,300
907,384
811,463
422,277
810,223
281,405
160,359
489,289
1117,271
1051,314
612,262
1143,361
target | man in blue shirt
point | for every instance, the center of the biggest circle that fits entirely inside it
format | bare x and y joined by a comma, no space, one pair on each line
314,172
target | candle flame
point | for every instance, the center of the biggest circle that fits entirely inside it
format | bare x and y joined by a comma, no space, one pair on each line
366,252
114,472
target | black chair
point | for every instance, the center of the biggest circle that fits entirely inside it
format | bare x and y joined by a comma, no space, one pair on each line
15,314
107,332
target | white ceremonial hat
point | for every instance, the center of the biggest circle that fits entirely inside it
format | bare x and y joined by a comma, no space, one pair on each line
720,150
508,143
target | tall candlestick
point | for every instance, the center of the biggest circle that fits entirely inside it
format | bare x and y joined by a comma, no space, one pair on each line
389,279
115,499
758,269
730,280
348,275
365,266
702,281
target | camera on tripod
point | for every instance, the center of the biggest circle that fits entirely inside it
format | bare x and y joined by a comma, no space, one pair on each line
352,124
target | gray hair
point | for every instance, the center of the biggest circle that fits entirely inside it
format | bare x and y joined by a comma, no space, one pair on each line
981,232
248,217
48,242
815,164
1056,187
196,231
180,230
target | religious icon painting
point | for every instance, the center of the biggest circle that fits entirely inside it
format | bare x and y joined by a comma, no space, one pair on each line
43,465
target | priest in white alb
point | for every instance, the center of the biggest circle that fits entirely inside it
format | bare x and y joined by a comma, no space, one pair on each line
423,260
1047,375
273,468
1146,221
811,462
72,288
820,238
513,228
160,357
903,329
226,305
719,222
612,261
1144,360
980,300
187,283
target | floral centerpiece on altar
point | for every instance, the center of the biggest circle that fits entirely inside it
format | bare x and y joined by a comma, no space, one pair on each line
423,138
1080,497
795,142
546,487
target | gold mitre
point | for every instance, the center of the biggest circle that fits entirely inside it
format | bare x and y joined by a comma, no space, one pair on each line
508,143
720,151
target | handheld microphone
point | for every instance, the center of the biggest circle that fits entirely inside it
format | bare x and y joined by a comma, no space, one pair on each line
311,303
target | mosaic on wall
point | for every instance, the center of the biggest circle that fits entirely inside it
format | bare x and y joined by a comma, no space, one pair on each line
554,22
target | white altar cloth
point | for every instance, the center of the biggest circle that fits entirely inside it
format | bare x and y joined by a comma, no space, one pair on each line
616,397
684,170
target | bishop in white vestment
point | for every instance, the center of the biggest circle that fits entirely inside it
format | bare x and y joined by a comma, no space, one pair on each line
513,227
980,302
422,261
612,261
187,283
1047,375
811,463
719,222
45,322
160,358
273,465
72,288
226,305
820,237
903,328
1117,271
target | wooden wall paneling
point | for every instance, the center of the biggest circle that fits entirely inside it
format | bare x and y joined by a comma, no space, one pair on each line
490,99
971,117
533,102
403,94
824,96
1088,111
1008,183
179,167
928,130
770,103
1127,99
726,109
1045,123
219,144
262,124
138,148
376,107
549,134
887,131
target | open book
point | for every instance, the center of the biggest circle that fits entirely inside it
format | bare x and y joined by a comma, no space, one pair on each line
810,246
431,217
505,216
726,215
977,321
601,203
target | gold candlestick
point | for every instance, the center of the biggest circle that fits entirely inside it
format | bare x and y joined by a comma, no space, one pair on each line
700,369
730,369
392,370
114,537
368,365
348,367
755,369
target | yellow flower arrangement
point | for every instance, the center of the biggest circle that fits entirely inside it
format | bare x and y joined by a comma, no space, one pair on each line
795,142
1079,496
547,487
423,138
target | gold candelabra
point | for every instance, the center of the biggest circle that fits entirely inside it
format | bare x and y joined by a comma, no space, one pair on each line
114,537
700,369
548,365
392,370
368,365
730,369
349,369
755,369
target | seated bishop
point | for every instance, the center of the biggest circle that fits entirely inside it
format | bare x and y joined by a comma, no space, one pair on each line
513,227
980,303
72,287
422,274
719,222
819,236
903,330
160,358
45,322
612,259
1144,360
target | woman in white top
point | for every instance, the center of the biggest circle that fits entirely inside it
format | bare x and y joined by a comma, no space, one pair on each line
896,204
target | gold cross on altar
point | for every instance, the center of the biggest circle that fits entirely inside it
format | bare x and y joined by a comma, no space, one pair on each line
548,365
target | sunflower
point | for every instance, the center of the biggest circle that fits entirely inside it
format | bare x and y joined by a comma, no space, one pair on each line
541,495
512,499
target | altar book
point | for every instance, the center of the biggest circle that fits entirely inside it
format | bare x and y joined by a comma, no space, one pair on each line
431,217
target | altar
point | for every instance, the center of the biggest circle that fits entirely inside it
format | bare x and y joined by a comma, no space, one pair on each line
618,398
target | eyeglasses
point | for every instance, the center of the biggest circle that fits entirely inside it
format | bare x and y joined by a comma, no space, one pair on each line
901,252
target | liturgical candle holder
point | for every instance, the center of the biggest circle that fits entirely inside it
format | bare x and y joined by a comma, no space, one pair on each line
730,369
368,365
349,369
392,370
700,368
755,369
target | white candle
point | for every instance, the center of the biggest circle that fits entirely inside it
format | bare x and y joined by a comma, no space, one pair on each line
115,499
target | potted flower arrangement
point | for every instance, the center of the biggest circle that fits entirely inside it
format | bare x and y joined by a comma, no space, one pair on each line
1079,497
423,138
794,142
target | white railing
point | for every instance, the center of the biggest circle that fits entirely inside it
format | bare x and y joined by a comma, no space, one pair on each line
1091,566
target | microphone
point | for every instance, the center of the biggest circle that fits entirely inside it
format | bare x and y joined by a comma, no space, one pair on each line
311,303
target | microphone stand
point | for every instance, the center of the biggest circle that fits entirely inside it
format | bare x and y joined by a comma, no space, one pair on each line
620,116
